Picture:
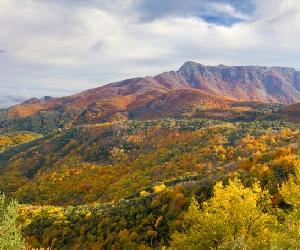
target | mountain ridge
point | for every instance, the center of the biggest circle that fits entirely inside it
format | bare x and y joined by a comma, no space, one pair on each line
192,87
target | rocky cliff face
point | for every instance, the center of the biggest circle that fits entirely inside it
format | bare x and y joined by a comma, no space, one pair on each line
248,83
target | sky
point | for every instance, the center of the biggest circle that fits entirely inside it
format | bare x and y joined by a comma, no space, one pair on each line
61,47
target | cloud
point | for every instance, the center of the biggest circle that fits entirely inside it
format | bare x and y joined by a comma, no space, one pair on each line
228,10
59,47
10,96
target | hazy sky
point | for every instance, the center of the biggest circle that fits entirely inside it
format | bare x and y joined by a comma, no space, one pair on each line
60,47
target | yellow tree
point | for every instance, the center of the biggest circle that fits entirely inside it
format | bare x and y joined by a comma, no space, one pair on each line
234,218
290,235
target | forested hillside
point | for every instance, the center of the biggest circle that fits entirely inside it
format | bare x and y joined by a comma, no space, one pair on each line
13,139
164,162
128,184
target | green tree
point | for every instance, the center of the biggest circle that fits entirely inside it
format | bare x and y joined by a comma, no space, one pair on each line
10,236
234,218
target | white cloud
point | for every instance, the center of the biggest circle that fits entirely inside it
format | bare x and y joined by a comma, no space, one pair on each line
55,47
227,9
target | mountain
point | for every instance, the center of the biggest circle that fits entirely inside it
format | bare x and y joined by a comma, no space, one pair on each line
194,90
125,96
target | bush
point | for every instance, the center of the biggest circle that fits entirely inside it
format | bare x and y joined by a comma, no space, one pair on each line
10,237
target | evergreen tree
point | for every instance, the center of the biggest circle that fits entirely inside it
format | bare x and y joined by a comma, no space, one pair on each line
10,236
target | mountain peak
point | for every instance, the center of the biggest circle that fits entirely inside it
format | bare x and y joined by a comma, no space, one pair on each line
190,64
189,67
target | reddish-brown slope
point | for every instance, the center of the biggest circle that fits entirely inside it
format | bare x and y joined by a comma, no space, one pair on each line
178,103
193,86
119,95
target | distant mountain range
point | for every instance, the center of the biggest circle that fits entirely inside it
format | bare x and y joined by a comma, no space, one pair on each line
192,91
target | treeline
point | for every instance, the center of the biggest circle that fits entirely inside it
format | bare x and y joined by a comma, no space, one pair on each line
45,122
41,123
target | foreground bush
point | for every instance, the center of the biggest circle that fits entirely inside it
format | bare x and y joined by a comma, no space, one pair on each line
10,237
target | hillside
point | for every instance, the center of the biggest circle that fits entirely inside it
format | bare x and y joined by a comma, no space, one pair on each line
126,165
11,140
291,113
125,176
106,162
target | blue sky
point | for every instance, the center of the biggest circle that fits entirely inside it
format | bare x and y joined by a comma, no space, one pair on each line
60,47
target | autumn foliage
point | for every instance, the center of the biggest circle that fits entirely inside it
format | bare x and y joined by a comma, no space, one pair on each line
129,184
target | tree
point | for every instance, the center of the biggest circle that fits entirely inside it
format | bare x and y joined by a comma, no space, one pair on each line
10,236
290,190
290,234
234,218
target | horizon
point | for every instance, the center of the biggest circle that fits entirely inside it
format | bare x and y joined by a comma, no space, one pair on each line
60,48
